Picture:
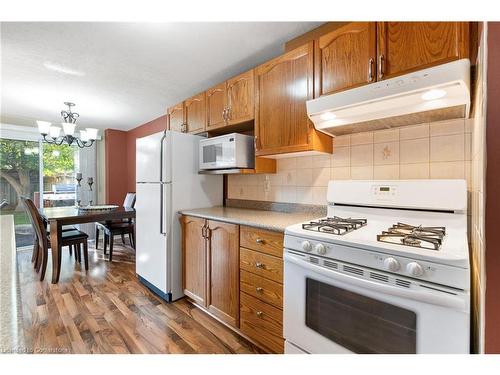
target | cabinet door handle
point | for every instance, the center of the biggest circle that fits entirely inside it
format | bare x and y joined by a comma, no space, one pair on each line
260,314
259,265
259,289
203,231
381,66
370,69
228,113
260,241
208,233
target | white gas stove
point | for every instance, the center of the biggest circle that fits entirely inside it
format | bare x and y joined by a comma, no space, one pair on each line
386,271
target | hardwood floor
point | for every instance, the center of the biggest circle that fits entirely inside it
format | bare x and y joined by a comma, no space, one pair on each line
107,310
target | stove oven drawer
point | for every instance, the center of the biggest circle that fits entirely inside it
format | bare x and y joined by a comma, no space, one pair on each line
259,287
262,240
264,265
261,322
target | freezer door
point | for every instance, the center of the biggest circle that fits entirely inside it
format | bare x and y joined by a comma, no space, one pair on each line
152,223
153,158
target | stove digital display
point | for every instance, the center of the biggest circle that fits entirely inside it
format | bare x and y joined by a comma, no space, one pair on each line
384,188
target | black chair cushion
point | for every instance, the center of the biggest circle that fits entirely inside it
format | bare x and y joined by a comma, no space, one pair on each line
74,235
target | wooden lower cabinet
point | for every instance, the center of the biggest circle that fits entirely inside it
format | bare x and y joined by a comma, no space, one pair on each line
262,322
223,271
241,287
194,258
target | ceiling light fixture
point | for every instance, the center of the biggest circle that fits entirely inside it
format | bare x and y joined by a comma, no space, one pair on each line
51,133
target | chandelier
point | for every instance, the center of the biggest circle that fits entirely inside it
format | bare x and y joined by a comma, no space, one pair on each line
52,134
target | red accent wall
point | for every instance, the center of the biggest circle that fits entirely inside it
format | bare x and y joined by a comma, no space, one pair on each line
120,158
492,262
116,166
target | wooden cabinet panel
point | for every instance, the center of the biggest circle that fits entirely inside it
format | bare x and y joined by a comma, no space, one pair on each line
407,46
262,322
262,240
195,113
223,271
261,264
176,117
216,104
194,258
345,58
240,98
283,85
259,287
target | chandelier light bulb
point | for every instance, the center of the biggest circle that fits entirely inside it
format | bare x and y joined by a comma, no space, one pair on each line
68,128
83,136
43,127
92,133
54,131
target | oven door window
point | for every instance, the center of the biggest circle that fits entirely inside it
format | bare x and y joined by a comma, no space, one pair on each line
212,153
358,323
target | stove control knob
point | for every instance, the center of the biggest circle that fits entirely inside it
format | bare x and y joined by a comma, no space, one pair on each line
306,246
391,264
414,269
320,249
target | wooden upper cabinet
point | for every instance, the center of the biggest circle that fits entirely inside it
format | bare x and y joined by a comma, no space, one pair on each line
223,274
404,47
345,58
240,98
216,106
195,114
283,85
176,117
194,258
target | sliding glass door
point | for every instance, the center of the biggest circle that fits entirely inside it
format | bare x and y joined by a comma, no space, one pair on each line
20,176
39,171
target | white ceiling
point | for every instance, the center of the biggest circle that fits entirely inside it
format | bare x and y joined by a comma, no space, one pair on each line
121,75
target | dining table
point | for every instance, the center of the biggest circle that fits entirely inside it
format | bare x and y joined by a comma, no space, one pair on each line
57,217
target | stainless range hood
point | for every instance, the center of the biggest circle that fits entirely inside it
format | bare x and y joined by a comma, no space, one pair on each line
438,93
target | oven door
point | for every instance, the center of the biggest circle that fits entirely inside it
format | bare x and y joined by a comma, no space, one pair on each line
339,311
218,153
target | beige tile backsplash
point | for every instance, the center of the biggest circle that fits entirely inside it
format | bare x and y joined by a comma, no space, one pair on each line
436,150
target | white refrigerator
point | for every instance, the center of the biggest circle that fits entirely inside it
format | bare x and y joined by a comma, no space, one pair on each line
167,181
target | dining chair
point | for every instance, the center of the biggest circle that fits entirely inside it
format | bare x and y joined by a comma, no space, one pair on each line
70,238
121,227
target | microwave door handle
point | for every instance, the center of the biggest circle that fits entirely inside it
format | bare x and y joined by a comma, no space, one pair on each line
419,295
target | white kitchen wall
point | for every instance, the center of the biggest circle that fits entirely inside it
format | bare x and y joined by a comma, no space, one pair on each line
435,150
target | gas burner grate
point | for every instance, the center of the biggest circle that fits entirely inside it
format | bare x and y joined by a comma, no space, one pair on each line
429,238
335,225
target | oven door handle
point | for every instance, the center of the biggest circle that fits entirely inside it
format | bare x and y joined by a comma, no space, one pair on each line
431,296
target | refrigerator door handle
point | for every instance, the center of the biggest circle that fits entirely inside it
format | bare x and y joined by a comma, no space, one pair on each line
163,220
161,182
161,155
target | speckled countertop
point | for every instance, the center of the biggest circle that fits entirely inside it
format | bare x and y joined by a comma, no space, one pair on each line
270,220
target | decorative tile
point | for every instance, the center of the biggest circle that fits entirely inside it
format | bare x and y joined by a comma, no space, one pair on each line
289,177
386,153
361,155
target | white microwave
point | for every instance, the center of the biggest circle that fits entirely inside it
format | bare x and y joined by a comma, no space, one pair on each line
230,151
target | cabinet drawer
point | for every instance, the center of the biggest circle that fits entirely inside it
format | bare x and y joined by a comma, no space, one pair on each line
262,240
261,322
261,264
259,287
